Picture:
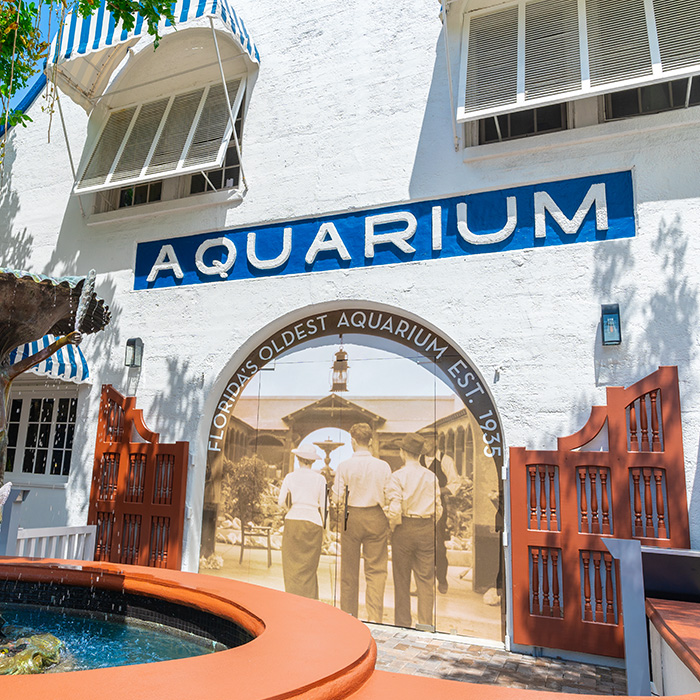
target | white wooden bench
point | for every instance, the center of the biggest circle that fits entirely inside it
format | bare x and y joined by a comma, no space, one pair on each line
57,542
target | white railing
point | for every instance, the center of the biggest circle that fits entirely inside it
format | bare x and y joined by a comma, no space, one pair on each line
57,542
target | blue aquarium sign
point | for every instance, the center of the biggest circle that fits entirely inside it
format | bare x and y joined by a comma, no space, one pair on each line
582,210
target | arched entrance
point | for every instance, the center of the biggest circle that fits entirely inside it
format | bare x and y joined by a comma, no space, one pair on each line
422,383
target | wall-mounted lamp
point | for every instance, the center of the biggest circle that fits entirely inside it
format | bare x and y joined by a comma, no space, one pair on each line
611,328
134,352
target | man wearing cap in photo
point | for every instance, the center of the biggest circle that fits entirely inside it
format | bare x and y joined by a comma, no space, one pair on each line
366,531
414,508
304,493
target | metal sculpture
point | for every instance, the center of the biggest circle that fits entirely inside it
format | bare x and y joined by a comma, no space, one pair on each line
32,306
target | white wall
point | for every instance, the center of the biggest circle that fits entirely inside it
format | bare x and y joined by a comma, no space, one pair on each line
669,674
351,109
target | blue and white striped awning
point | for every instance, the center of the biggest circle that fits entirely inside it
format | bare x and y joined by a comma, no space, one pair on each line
86,50
68,363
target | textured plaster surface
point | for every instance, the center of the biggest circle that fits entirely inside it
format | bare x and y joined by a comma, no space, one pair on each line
350,109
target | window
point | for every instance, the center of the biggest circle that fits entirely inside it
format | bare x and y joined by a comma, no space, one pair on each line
172,136
225,176
648,99
40,433
535,53
141,194
652,99
529,122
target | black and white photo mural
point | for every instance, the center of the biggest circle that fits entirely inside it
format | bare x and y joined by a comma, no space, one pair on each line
363,471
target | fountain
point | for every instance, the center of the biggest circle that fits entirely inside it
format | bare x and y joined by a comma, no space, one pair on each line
32,306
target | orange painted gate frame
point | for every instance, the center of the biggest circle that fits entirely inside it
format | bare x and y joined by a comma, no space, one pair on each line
565,502
137,495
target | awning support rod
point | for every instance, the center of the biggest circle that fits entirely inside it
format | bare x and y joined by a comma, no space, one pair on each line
208,180
228,104
70,155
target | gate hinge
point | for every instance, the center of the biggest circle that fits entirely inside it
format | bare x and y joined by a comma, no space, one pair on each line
504,534
504,473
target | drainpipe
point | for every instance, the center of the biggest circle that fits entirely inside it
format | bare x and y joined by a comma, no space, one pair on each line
443,16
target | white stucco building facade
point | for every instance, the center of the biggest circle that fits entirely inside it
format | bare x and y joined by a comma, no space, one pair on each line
353,107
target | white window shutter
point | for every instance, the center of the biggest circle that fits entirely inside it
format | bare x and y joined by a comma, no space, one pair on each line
573,49
139,142
678,28
552,56
171,136
175,133
213,125
105,152
618,43
492,60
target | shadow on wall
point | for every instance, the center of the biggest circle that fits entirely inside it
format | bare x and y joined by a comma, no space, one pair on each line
16,246
436,162
657,327
666,330
177,409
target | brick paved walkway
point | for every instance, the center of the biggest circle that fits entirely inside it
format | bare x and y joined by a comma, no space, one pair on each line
425,654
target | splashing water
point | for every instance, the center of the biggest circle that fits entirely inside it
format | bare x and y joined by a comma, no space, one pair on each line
96,642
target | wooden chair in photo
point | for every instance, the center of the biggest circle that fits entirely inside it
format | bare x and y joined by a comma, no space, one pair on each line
253,531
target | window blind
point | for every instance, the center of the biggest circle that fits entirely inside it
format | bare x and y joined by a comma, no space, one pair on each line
549,25
107,147
139,142
493,57
679,41
618,45
207,138
171,136
539,52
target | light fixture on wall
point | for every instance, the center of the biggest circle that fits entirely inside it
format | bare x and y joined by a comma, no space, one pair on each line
611,328
134,352
339,379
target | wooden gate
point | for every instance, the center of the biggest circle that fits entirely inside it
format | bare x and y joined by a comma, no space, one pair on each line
565,502
137,497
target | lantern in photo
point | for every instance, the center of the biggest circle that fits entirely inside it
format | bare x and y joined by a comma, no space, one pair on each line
339,380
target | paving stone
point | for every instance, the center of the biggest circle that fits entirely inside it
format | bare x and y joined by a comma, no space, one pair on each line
409,652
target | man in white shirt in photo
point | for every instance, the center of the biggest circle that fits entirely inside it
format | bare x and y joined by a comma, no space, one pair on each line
360,485
414,509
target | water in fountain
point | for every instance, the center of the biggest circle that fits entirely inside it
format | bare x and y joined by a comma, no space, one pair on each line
88,641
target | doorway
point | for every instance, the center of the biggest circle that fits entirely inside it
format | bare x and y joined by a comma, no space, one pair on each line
303,397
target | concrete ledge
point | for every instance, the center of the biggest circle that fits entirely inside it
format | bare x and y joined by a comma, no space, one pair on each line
302,649
675,645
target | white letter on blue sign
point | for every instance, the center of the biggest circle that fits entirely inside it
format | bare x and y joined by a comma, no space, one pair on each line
327,238
437,228
486,238
544,203
217,267
282,258
166,260
398,238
